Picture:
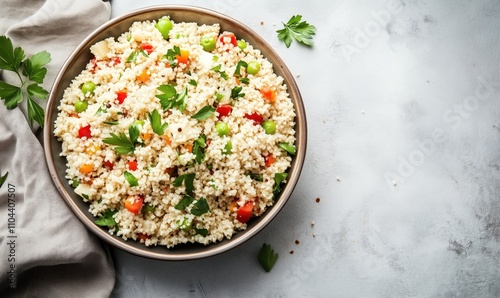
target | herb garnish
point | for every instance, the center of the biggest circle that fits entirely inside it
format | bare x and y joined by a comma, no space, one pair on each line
202,232
188,182
106,219
301,31
267,257
171,99
156,124
278,179
237,71
130,178
171,54
193,82
199,148
123,144
288,147
200,207
223,74
33,69
204,113
184,203
132,57
236,92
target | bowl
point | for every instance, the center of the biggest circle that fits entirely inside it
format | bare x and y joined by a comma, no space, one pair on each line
76,63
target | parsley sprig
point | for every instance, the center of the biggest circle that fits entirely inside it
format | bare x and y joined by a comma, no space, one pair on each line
169,98
267,257
158,127
122,143
299,30
13,59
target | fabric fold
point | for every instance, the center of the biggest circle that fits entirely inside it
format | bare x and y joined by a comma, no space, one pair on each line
45,251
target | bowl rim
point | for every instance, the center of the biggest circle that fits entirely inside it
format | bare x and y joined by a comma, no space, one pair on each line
215,248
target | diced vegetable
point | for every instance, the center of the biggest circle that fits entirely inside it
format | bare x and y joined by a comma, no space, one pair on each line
164,25
142,237
143,77
183,58
121,96
86,168
256,118
132,165
134,203
269,127
224,110
208,43
84,132
245,212
108,164
269,159
228,37
268,94
228,148
100,49
88,88
147,47
81,105
253,67
242,44
222,129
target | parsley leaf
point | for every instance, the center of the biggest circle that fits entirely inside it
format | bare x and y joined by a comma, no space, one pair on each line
202,232
33,67
235,92
123,144
299,30
12,59
188,182
240,63
200,207
204,113
245,81
184,203
288,147
278,179
156,124
132,57
3,178
267,257
171,99
130,178
107,219
11,94
193,82
223,74
199,148
171,55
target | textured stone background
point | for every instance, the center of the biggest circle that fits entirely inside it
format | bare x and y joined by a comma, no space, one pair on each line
402,99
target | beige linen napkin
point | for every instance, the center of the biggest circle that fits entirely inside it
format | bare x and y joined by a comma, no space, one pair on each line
44,250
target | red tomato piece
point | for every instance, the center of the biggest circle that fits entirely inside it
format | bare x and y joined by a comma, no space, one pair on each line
228,37
134,203
245,212
269,160
132,165
108,164
224,110
147,47
120,96
142,237
84,132
256,118
116,60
